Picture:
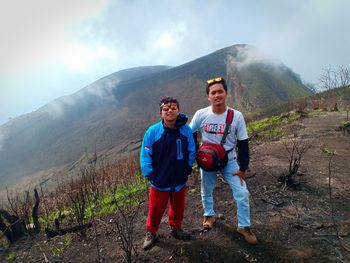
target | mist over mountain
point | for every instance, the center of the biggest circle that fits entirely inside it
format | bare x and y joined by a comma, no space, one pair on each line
115,110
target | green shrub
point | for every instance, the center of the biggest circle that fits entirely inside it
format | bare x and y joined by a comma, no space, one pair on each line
269,128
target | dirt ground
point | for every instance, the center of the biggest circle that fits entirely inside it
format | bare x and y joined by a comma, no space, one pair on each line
292,224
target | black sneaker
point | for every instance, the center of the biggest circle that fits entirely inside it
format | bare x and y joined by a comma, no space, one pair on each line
180,234
150,240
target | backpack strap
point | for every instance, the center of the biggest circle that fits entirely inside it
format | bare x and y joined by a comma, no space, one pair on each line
229,119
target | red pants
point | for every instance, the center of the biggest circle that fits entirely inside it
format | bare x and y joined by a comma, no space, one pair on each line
157,203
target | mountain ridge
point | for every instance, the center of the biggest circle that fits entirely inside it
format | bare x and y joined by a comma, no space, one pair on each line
115,110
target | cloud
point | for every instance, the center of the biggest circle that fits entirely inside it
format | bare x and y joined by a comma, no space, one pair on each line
247,55
30,29
54,48
102,90
80,57
55,108
310,36
2,139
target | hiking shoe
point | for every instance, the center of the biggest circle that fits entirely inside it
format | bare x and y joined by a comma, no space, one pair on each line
150,240
248,235
208,222
180,234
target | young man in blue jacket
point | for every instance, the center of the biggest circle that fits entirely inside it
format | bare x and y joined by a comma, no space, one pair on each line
167,155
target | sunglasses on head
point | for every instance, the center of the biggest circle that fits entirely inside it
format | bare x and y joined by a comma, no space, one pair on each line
216,80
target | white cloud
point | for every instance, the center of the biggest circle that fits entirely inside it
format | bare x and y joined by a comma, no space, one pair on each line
53,48
33,30
248,55
80,57
171,38
103,90
165,40
310,35
2,138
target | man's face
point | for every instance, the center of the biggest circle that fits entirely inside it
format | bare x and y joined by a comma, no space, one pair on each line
169,112
217,94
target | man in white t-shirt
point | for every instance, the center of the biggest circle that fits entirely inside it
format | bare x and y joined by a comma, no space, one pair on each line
211,122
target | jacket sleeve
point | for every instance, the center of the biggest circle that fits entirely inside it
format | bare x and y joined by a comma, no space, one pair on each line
191,148
146,154
243,154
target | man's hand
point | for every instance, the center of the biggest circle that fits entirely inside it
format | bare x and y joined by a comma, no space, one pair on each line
241,176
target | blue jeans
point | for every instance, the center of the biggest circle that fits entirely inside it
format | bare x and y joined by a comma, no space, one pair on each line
240,193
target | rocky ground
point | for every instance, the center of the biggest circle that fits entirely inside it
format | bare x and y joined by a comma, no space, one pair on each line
297,224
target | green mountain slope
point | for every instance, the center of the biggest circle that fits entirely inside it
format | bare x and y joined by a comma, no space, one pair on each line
115,110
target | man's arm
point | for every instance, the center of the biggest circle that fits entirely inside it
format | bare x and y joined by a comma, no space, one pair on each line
195,139
242,144
243,154
242,148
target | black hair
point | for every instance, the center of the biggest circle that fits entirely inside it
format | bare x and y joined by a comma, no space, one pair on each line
222,81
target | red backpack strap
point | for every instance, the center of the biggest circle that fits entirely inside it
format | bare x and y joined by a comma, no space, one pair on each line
229,119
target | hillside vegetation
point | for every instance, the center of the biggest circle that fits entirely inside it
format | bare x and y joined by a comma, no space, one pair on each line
307,221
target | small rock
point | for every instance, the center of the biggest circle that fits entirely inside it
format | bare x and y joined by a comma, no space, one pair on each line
300,254
221,216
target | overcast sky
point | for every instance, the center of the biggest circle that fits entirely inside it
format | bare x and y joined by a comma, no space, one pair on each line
51,48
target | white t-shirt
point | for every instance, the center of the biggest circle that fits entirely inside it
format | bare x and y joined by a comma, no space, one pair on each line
212,127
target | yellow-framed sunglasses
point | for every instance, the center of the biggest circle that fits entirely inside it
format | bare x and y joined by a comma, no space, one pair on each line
215,80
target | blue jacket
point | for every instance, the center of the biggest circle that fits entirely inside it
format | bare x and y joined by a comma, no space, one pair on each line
167,156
